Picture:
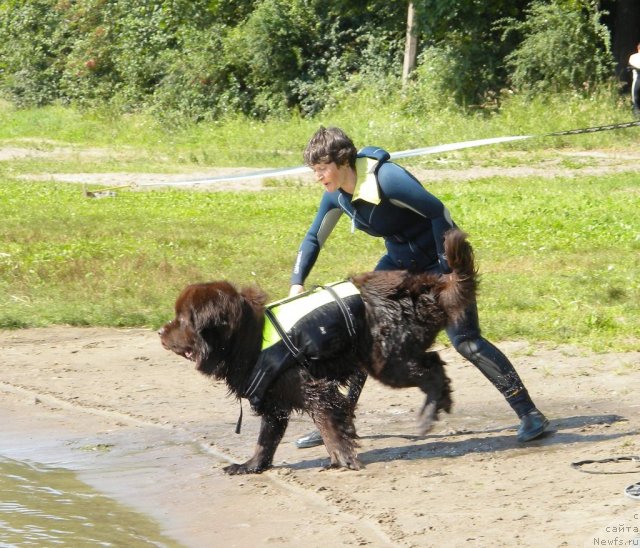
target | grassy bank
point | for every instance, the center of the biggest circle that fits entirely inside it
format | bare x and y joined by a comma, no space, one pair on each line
558,256
141,141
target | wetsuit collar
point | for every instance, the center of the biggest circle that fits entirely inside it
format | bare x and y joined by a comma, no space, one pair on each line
366,183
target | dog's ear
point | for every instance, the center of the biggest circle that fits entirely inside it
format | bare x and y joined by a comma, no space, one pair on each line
209,305
255,297
207,316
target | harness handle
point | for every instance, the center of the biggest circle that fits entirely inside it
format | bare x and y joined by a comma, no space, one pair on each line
346,314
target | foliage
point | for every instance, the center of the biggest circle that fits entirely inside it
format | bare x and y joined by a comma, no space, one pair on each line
462,54
33,48
206,60
564,46
191,60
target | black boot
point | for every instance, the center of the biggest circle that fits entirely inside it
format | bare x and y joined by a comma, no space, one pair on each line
532,425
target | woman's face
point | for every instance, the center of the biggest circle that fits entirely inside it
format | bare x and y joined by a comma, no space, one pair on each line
332,176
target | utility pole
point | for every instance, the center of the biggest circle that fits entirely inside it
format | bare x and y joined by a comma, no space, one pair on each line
411,44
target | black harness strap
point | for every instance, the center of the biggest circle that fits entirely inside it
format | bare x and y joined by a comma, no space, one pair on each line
263,375
346,314
239,422
259,375
295,352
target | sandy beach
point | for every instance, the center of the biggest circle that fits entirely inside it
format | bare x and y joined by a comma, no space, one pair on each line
141,425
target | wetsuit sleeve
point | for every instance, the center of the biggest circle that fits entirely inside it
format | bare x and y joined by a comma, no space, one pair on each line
324,222
403,190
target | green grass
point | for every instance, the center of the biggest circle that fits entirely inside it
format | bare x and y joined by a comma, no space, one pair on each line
558,256
139,140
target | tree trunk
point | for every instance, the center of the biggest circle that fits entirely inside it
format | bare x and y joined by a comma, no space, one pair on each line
411,44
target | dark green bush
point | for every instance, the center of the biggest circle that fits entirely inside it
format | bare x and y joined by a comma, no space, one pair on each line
34,42
564,45
191,60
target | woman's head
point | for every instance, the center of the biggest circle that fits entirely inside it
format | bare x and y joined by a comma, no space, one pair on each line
330,145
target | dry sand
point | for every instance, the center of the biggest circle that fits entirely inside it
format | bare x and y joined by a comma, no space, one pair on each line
140,424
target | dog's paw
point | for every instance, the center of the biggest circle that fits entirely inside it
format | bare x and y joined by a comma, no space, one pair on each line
240,469
349,462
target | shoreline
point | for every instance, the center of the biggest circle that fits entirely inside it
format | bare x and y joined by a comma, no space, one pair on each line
140,425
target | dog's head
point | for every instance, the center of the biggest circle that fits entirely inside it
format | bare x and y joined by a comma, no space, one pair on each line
216,326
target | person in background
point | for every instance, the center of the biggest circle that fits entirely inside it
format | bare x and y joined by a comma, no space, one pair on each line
384,200
634,66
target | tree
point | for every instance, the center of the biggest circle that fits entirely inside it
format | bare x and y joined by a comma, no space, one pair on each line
411,43
564,45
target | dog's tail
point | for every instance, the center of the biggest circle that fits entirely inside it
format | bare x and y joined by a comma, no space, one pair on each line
461,284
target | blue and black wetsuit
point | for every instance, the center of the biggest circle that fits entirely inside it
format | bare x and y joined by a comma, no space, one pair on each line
635,90
390,203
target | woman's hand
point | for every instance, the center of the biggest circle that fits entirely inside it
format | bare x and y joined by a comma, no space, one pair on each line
296,289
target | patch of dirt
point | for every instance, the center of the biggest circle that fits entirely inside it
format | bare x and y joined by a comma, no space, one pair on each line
564,164
146,181
169,431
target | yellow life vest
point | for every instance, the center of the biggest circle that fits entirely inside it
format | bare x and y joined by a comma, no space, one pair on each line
291,310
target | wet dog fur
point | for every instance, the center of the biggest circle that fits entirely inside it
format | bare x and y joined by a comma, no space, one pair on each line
219,327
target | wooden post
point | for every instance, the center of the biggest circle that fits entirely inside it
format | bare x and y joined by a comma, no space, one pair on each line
411,44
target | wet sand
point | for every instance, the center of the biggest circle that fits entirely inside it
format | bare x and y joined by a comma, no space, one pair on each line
142,426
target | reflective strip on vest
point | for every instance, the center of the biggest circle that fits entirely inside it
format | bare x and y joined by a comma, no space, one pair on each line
291,310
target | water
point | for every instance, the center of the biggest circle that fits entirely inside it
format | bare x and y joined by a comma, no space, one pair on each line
45,506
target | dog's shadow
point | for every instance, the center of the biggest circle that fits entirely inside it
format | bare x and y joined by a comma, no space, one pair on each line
568,430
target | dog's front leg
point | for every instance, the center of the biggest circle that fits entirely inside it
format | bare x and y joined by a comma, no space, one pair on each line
272,429
335,424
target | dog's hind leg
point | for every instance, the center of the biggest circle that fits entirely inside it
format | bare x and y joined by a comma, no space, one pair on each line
425,371
272,428
436,385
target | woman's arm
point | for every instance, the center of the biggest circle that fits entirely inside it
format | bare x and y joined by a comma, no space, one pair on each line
324,222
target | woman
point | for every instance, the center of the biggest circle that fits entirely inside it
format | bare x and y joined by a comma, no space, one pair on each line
634,66
385,200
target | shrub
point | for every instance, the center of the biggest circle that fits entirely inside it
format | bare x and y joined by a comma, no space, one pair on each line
564,46
33,47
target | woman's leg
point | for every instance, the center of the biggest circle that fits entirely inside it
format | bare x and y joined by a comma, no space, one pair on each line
635,92
467,340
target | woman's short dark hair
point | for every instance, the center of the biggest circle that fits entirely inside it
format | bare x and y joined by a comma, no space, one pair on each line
328,145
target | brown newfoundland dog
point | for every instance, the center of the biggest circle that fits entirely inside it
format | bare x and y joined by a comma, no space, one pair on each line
295,354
